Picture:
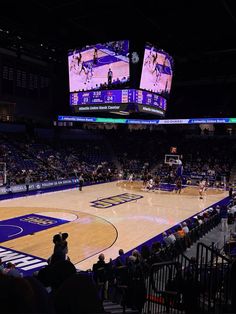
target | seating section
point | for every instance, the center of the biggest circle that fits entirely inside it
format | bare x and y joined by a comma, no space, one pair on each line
45,160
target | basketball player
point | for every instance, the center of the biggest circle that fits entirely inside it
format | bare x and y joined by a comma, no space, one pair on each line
120,176
150,185
75,62
157,182
131,177
95,56
154,60
145,180
149,60
79,58
83,68
89,73
157,70
178,183
202,188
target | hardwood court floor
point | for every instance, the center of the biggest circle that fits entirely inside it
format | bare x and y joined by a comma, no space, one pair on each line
94,230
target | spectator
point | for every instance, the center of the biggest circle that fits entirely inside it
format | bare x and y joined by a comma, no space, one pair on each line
78,294
185,227
120,260
166,239
1,266
102,273
172,237
16,295
224,218
10,270
180,231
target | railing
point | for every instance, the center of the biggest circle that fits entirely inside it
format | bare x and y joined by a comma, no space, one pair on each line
199,285
213,275
162,295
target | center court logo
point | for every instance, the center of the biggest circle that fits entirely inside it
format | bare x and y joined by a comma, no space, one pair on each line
115,200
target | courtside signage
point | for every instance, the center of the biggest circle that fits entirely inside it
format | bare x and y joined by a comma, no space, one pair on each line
115,200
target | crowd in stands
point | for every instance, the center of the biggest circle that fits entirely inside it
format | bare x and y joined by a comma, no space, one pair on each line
136,152
41,161
139,151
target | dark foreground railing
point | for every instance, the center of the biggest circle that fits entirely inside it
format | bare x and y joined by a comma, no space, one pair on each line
198,285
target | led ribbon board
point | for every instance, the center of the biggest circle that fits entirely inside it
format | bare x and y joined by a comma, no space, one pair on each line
139,121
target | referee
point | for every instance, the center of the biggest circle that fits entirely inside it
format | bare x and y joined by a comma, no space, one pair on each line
81,182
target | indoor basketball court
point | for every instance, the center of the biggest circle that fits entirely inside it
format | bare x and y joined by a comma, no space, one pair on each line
101,218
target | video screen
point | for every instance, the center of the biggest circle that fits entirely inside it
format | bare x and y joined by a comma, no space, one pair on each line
157,71
100,66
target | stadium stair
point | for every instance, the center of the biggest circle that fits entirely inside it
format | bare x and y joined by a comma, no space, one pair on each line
232,177
215,236
114,308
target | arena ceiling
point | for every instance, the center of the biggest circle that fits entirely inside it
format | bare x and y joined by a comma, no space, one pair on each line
181,27
200,35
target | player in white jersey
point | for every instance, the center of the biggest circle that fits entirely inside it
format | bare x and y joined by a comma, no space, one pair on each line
150,185
131,177
75,62
88,73
150,60
202,188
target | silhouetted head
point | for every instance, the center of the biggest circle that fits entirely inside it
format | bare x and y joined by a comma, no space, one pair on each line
101,257
121,251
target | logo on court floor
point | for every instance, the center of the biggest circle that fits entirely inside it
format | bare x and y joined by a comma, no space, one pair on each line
39,220
115,200
26,263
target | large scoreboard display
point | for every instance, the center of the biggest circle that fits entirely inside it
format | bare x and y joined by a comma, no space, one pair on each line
100,79
157,72
117,100
123,96
149,102
99,66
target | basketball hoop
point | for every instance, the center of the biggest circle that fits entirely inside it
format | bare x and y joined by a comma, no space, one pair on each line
172,159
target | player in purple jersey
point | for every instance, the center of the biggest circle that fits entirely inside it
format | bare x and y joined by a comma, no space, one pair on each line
95,56
149,59
157,70
154,59
178,185
83,68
